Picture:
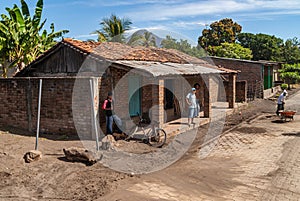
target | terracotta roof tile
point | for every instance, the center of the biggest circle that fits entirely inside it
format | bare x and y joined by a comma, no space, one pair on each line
85,46
117,51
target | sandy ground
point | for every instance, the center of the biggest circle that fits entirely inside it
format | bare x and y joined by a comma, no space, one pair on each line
231,169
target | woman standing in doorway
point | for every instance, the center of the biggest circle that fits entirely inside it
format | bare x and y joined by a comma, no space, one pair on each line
108,107
197,87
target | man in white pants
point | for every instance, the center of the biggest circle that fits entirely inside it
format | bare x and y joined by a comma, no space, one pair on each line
191,101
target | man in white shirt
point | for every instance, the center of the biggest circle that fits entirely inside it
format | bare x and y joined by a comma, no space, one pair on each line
280,102
191,101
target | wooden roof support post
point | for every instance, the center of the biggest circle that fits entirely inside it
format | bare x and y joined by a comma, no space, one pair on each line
232,90
158,102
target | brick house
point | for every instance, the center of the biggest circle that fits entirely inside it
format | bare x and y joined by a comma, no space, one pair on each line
150,81
262,76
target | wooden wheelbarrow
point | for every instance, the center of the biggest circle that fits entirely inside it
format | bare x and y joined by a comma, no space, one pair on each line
289,114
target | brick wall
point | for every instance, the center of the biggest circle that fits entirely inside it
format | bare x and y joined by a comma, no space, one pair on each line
249,71
241,90
19,104
66,102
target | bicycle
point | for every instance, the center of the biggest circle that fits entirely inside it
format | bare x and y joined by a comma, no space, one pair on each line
155,136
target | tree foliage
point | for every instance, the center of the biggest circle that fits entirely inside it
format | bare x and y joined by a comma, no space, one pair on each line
22,38
231,50
146,39
263,46
291,51
183,46
221,37
113,29
290,73
219,32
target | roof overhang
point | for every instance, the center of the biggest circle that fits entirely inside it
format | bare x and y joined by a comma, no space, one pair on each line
158,69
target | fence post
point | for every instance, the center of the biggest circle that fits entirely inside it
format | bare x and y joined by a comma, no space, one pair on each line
39,115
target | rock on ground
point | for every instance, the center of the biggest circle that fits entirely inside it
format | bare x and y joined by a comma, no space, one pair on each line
33,155
76,154
109,143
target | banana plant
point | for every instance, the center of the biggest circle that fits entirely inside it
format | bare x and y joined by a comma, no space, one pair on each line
22,38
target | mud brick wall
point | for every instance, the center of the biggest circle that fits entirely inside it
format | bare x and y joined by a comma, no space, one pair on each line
13,107
241,90
19,104
216,86
250,71
118,80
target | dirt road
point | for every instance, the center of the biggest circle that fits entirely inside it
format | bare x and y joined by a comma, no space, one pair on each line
258,159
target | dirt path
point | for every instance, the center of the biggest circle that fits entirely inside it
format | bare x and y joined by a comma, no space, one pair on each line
257,159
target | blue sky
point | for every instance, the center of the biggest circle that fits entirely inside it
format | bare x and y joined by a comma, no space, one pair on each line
179,18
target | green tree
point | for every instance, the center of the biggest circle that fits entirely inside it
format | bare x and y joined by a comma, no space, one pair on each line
183,46
263,46
290,73
291,51
113,29
146,39
22,39
231,50
219,32
169,43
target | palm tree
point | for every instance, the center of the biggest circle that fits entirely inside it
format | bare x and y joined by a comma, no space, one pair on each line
146,39
113,29
20,38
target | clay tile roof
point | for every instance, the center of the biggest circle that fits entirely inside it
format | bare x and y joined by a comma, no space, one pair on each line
152,54
186,57
113,50
117,51
85,46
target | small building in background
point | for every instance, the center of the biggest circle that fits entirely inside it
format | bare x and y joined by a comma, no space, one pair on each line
262,77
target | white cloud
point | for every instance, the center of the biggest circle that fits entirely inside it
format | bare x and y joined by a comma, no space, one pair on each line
191,24
160,12
110,3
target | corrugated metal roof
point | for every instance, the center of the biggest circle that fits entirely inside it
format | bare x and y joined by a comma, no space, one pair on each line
244,60
157,69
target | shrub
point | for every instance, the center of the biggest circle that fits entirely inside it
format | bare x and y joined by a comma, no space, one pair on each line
284,86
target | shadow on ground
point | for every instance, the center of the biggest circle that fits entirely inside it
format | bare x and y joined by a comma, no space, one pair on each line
50,136
279,121
297,134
